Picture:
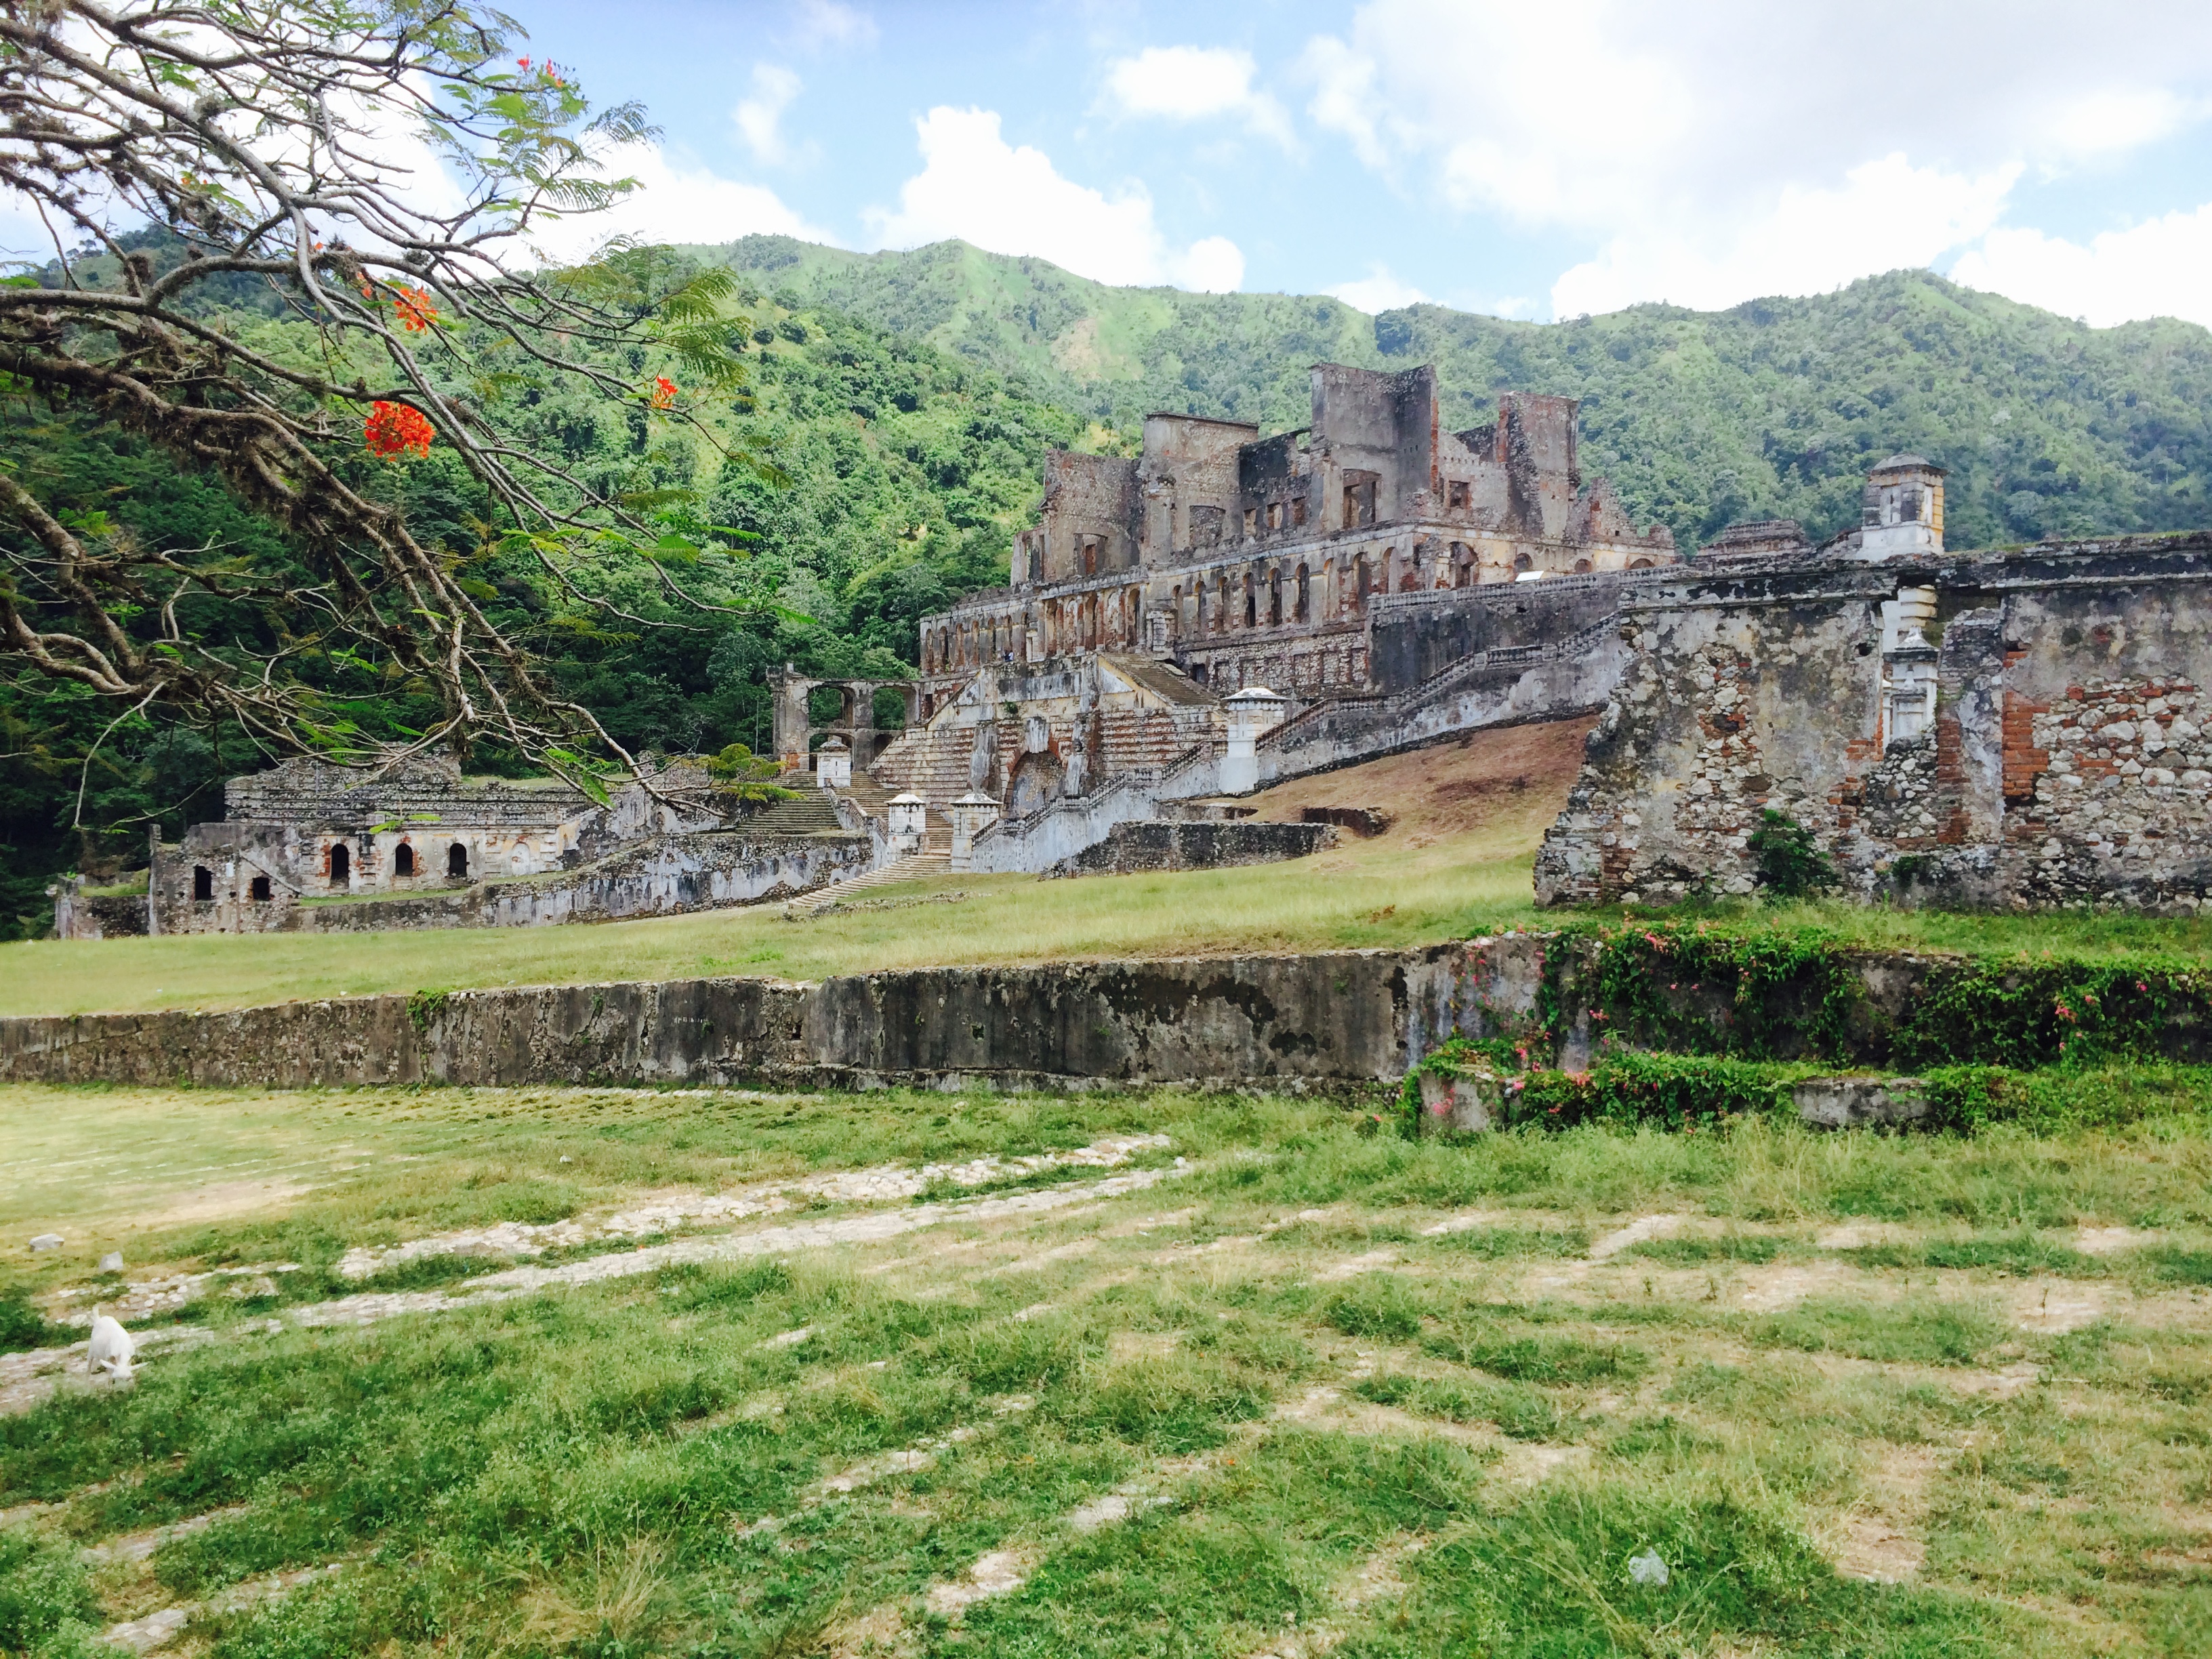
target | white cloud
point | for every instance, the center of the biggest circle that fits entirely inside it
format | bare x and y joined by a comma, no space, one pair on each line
676,201
2160,268
760,118
826,23
1196,84
1377,291
1887,213
1344,96
975,185
1718,151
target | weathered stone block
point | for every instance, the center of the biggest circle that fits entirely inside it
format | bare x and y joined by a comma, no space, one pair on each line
1861,1103
1466,1104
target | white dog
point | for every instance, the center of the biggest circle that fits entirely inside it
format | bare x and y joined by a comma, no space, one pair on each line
110,1347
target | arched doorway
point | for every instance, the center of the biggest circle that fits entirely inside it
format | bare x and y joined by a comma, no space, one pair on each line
402,859
341,865
456,860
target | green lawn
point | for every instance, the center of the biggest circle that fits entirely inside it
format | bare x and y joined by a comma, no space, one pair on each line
1392,892
1306,1391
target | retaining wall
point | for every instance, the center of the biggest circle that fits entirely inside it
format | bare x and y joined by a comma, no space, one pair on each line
1333,1020
1167,844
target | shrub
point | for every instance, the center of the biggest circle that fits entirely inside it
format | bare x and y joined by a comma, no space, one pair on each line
47,1603
1791,864
22,1326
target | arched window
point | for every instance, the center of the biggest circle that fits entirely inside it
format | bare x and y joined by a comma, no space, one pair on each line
1303,612
1275,597
341,864
1523,562
202,884
518,858
402,859
257,890
1251,602
456,860
1581,567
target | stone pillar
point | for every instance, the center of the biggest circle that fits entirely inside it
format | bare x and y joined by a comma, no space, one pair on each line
792,722
972,814
1253,712
910,822
1908,669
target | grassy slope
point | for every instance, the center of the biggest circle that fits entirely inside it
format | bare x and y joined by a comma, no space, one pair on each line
1774,408
1456,863
1330,1423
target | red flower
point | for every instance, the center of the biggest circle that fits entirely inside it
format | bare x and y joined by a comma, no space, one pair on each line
395,429
416,314
522,63
663,392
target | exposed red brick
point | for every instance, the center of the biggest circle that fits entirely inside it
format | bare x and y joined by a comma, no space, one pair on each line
2023,762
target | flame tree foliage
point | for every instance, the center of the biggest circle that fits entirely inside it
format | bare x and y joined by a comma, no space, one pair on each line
270,142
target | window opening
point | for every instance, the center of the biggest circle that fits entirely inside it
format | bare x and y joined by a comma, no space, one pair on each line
202,883
402,859
341,865
257,889
456,860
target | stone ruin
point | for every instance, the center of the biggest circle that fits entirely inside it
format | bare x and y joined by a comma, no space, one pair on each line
1224,610
417,844
2012,728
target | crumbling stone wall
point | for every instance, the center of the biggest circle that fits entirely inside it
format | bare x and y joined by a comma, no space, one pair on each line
665,876
1131,849
2066,763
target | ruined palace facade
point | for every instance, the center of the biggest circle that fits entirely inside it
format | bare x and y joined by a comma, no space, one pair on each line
1246,560
309,846
2012,729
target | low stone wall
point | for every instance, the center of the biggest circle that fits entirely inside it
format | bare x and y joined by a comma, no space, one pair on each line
1130,848
1330,1020
1348,1020
665,877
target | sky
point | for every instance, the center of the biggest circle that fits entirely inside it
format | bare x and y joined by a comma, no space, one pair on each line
1537,160
1534,160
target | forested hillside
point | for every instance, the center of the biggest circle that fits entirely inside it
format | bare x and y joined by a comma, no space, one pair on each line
1773,409
874,480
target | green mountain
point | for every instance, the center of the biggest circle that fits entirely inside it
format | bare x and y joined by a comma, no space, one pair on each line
1773,409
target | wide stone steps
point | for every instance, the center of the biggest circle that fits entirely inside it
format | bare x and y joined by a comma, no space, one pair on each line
813,814
915,866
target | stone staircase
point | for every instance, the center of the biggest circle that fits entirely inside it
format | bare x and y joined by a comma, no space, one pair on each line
936,860
813,814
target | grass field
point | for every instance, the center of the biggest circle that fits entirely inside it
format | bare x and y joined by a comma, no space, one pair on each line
1237,1380
1455,863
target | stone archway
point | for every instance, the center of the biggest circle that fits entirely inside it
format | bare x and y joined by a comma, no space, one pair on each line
856,720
